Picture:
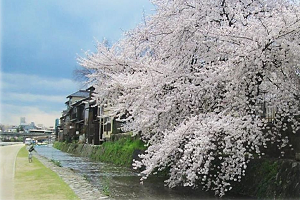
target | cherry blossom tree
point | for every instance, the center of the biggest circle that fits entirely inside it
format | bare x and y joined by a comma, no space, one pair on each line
191,81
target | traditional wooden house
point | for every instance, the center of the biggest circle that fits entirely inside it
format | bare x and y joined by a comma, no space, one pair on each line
85,121
70,115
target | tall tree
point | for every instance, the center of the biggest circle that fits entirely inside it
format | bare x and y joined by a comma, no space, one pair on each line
192,79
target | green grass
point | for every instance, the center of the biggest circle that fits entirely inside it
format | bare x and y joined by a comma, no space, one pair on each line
105,189
56,162
260,180
119,152
63,146
268,170
35,181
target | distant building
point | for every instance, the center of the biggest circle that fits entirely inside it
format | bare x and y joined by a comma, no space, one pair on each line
22,121
11,130
56,128
40,126
27,127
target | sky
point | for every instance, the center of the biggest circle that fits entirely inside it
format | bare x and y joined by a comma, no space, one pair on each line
40,44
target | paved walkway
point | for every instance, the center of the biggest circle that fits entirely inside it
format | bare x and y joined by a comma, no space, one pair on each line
8,156
82,188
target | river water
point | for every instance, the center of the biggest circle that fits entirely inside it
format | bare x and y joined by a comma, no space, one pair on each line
123,183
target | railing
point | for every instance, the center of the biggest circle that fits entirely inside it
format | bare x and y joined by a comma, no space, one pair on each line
266,112
270,113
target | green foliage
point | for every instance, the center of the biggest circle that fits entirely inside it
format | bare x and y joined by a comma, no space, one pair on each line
57,145
260,179
120,152
56,162
105,186
105,190
63,146
12,139
268,170
85,176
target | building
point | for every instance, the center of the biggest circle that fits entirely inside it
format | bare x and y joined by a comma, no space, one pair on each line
22,121
66,122
79,121
27,127
56,128
85,121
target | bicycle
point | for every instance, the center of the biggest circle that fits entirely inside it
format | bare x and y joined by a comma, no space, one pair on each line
30,154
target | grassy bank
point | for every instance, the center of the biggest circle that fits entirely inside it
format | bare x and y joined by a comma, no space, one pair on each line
35,181
265,178
120,152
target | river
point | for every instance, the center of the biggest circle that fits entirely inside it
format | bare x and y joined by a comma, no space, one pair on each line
123,183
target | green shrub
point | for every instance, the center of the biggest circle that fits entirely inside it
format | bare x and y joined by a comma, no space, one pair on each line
63,146
56,162
121,151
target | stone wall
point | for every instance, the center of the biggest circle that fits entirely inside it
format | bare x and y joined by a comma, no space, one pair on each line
84,150
271,179
265,178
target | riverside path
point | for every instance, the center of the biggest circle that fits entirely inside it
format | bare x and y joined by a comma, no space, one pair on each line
8,156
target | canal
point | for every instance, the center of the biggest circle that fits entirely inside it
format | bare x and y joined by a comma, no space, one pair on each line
123,183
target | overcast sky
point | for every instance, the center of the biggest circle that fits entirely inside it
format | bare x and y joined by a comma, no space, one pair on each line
40,42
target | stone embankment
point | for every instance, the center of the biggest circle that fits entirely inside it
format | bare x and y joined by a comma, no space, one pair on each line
271,179
82,188
265,178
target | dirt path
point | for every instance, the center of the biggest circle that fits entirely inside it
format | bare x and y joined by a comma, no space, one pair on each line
8,156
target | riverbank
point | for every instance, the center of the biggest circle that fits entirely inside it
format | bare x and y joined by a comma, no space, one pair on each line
82,187
120,152
265,178
35,181
271,179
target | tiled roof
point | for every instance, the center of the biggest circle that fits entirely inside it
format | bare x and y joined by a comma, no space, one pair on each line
80,93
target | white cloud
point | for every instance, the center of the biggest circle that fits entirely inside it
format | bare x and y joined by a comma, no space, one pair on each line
32,114
32,82
38,99
26,97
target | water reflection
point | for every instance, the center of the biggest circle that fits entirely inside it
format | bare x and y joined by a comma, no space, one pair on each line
120,182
